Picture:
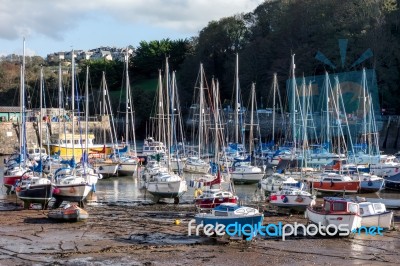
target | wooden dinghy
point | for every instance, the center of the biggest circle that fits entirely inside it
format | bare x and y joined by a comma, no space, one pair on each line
71,213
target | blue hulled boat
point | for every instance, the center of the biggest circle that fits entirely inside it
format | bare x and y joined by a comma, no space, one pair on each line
230,213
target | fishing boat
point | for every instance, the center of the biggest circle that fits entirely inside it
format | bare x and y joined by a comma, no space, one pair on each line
230,213
68,145
375,214
292,198
71,213
336,183
337,212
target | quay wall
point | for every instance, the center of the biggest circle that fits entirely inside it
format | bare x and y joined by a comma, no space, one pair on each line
9,132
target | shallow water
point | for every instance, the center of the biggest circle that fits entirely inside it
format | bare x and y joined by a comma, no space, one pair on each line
128,190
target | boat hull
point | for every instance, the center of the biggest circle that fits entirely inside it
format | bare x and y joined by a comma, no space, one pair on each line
72,214
127,169
293,202
173,189
353,221
336,187
383,220
109,169
371,186
205,219
71,192
66,152
41,193
246,178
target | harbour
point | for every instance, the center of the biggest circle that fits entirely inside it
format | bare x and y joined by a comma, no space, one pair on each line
125,227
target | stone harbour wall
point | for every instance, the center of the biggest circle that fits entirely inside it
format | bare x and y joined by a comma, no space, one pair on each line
9,132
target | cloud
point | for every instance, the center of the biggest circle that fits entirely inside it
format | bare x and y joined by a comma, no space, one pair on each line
52,19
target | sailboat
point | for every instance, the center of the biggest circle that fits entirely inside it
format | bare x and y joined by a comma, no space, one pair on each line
127,160
34,188
195,163
104,165
166,184
209,193
243,172
75,186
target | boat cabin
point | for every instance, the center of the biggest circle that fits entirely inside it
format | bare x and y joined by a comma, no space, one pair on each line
152,147
369,208
340,206
37,153
217,193
69,139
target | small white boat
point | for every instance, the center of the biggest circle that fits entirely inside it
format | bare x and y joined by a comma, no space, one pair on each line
276,182
196,165
246,174
166,185
292,198
336,213
375,214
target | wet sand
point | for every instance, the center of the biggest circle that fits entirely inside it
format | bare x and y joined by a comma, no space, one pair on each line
148,235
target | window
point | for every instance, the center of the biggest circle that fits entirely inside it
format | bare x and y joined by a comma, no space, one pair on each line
339,206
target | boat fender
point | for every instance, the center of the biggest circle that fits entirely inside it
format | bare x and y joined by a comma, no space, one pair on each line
197,192
369,183
72,190
284,199
299,199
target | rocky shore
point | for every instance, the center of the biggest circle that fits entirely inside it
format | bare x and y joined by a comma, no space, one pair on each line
158,235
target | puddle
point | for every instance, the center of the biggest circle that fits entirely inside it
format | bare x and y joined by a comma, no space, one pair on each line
166,239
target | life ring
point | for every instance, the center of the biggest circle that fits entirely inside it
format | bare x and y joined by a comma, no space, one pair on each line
299,198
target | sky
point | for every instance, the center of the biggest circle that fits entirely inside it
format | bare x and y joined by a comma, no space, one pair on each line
50,26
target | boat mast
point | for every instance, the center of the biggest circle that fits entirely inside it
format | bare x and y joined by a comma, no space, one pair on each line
201,108
237,105
293,102
169,104
41,115
59,96
253,89
127,101
103,111
328,139
364,79
86,112
22,103
275,88
73,102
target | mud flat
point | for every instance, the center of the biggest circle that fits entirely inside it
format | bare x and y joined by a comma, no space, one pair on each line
149,235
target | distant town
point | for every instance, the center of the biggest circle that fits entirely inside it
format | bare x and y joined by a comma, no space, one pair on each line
105,53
